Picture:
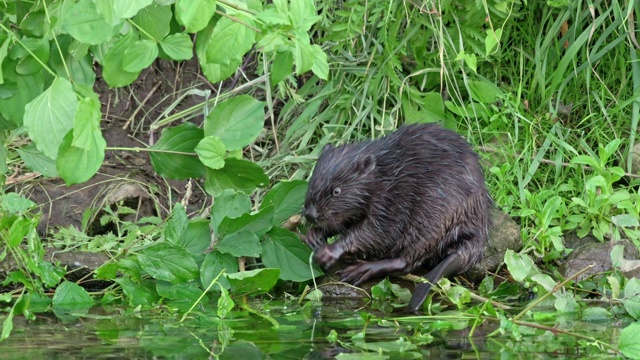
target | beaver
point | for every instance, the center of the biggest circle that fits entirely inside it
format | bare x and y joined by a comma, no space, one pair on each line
413,199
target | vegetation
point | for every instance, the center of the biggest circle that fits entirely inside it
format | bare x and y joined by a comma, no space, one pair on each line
547,92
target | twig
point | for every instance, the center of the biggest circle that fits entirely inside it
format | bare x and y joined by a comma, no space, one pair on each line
126,125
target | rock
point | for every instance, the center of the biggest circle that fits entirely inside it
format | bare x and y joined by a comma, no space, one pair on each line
504,235
589,251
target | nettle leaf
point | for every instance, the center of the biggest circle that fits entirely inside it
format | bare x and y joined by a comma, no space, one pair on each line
37,161
125,9
182,139
212,266
70,296
628,342
86,122
230,40
211,152
196,238
287,198
242,243
237,174
231,204
154,21
258,223
236,121
138,294
519,265
113,67
181,292
86,25
253,282
178,46
283,249
168,262
139,56
49,117
76,165
194,15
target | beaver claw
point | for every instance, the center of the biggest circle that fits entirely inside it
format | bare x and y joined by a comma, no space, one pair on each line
327,255
314,239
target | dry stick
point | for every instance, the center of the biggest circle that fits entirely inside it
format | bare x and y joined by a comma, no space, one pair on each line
126,125
555,288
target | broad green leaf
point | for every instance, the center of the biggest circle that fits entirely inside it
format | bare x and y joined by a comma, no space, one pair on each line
628,342
168,262
287,198
236,121
113,68
303,14
586,160
19,229
281,67
15,204
225,305
125,9
194,15
86,122
178,46
176,224
154,22
229,203
3,55
237,174
28,88
320,65
178,159
258,223
565,302
76,165
107,271
484,91
86,25
213,71
520,265
230,40
7,325
196,238
545,281
213,264
69,297
459,295
253,282
631,299
625,220
37,161
303,56
27,64
211,152
492,40
49,117
139,56
182,292
284,250
138,294
596,314
241,243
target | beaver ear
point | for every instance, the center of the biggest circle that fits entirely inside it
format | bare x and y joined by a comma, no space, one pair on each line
367,164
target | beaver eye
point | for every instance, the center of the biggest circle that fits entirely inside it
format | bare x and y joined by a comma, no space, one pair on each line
336,191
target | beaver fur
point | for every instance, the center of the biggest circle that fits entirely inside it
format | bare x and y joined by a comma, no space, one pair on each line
412,199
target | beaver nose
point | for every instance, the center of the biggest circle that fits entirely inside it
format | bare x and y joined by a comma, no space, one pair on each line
311,213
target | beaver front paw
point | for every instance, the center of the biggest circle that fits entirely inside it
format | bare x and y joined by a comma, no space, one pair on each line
327,255
314,238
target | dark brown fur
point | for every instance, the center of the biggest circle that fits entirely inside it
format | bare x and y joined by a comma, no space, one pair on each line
414,198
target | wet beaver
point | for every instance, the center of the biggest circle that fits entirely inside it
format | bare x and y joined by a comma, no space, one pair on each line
415,198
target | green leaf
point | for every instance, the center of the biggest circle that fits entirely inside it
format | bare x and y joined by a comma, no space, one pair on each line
492,40
565,302
545,281
459,295
213,71
138,294
211,152
281,67
303,56
86,25
139,55
253,282
625,220
212,266
236,121
237,174
7,325
320,65
231,204
154,22
19,229
283,249
176,224
37,161
27,64
258,223
76,165
15,204
241,243
113,67
586,160
86,122
182,139
49,117
631,299
168,262
69,297
29,88
520,265
484,92
225,305
628,342
230,40
178,46
287,198
125,9
182,292
303,14
194,15
469,59
196,238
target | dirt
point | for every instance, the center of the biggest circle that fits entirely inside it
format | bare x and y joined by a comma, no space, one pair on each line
126,177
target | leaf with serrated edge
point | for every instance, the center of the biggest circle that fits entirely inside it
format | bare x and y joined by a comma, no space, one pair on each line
168,262
49,117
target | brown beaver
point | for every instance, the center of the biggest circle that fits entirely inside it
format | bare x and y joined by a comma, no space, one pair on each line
415,198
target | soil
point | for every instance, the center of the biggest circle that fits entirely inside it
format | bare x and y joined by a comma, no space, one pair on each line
126,176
